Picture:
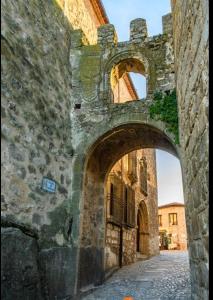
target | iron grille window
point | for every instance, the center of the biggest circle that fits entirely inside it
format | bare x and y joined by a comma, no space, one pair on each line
121,201
173,219
116,212
114,197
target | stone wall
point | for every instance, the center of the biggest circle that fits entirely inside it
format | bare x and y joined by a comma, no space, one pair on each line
36,87
112,246
129,246
190,27
127,170
20,275
151,201
36,134
82,16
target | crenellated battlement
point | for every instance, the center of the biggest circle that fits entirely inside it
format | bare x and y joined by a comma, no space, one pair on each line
96,69
138,30
167,23
107,35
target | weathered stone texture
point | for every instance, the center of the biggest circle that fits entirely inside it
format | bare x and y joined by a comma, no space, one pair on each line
81,15
97,116
36,137
20,277
58,279
112,246
190,27
167,23
36,87
59,121
138,30
107,35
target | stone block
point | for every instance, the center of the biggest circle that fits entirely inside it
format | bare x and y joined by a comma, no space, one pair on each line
20,277
58,271
107,35
78,39
138,30
203,274
91,266
167,23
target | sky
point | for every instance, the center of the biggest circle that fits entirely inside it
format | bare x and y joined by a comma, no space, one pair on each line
120,14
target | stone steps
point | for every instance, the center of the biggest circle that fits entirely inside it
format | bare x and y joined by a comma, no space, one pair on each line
140,256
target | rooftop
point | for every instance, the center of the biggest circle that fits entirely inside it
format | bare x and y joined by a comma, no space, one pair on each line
172,204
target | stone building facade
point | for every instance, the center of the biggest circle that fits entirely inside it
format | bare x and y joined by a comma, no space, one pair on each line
172,225
60,122
131,214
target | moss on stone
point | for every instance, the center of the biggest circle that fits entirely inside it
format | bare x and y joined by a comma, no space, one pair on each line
164,108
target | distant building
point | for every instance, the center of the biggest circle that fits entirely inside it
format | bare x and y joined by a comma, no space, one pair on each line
172,226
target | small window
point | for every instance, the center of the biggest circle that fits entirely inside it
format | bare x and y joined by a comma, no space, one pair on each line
173,219
160,220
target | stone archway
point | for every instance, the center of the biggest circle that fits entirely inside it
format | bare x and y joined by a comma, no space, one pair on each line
102,155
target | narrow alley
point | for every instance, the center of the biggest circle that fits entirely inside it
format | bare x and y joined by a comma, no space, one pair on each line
162,277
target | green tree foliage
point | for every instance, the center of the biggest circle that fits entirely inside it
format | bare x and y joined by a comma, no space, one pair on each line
164,108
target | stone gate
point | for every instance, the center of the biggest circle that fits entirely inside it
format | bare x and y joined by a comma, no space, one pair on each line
59,120
104,131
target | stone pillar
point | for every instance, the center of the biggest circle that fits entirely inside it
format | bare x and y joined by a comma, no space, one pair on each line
107,35
78,39
138,30
167,23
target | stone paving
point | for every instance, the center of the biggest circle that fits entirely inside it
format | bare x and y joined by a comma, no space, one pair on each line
162,277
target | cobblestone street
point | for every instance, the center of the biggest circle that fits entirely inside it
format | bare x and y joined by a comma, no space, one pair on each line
162,277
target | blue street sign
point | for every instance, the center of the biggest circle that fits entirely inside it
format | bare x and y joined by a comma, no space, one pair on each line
48,185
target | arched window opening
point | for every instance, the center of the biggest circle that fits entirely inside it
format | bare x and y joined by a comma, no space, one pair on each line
128,81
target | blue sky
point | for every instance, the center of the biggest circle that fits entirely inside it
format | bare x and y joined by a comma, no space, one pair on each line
169,178
120,14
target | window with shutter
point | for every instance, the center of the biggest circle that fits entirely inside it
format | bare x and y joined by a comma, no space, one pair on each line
173,219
